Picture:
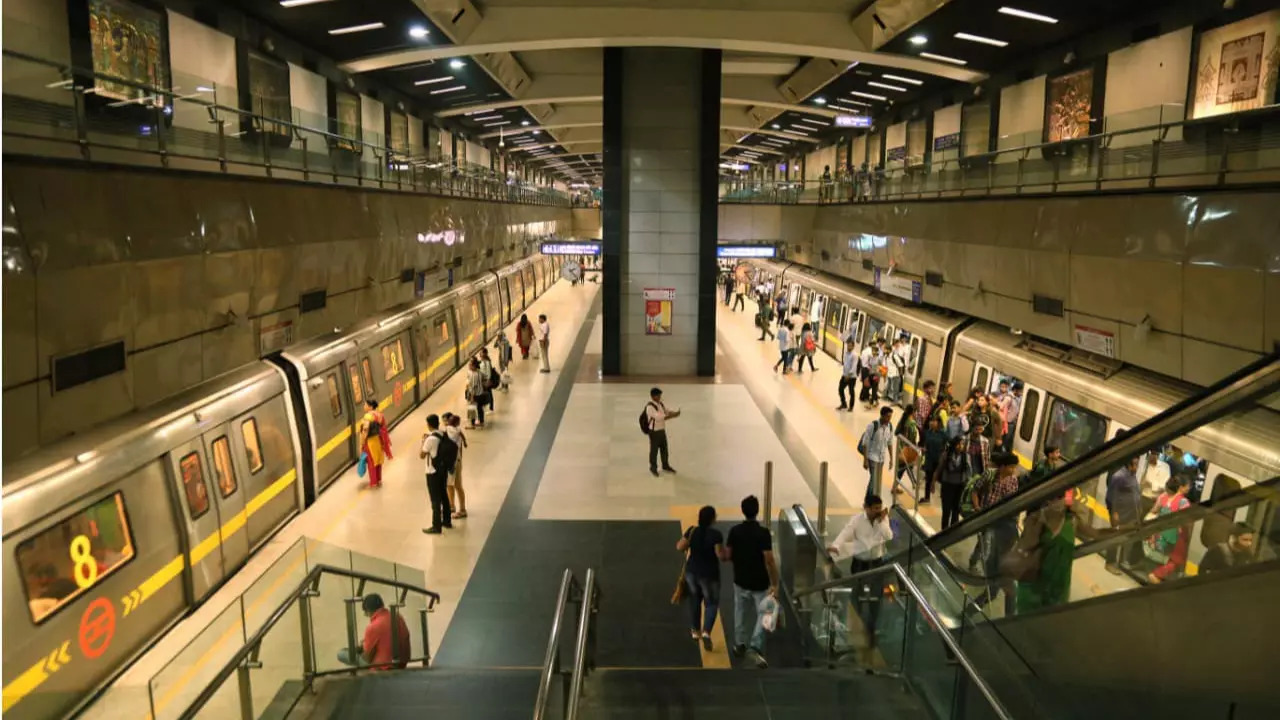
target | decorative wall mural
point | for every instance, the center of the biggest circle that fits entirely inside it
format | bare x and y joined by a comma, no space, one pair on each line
269,94
1236,66
398,132
1070,106
128,42
346,113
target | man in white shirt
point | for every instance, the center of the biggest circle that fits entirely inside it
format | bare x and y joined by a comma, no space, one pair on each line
437,478
874,448
848,376
658,415
784,349
893,379
544,342
1153,473
864,537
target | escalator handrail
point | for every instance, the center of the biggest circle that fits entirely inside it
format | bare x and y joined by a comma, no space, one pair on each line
1249,385
304,586
936,620
816,539
567,583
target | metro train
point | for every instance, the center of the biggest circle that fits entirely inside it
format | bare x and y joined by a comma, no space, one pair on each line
1071,400
112,536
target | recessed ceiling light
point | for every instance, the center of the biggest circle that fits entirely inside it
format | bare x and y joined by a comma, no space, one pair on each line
918,40
849,109
456,64
980,39
537,132
433,81
886,86
1027,15
524,123
793,132
776,126
297,3
820,101
819,123
418,32
899,78
357,28
487,117
455,88
868,95
944,58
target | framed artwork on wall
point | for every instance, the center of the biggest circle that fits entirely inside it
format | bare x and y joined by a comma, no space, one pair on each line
126,45
1073,104
344,119
1236,67
263,83
398,132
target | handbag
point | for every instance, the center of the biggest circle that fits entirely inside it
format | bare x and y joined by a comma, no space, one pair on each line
362,466
677,596
1022,561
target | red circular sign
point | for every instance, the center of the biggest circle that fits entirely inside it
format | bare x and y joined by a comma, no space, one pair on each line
97,627
398,392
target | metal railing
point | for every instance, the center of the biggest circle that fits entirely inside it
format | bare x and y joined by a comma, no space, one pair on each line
302,596
586,597
61,111
1235,149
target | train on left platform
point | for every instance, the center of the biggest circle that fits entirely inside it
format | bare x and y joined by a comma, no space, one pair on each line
113,535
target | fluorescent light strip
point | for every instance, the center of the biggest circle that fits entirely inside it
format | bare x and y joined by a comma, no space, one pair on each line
433,81
299,3
801,127
868,95
855,111
980,39
810,121
504,122
899,78
886,86
943,58
1026,15
455,88
357,28
793,132
487,117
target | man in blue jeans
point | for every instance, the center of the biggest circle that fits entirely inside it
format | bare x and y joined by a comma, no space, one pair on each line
755,577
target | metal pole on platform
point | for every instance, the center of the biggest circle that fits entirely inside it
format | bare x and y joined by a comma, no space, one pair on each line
822,499
768,493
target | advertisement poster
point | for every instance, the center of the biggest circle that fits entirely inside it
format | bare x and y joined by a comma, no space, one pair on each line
1236,66
657,310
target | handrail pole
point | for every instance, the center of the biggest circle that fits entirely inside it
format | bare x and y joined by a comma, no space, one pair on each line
586,618
768,491
822,500
551,660
353,647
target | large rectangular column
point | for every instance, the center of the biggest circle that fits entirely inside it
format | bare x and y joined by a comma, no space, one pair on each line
659,214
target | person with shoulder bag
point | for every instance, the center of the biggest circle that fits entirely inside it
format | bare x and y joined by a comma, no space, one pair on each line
704,545
475,395
441,455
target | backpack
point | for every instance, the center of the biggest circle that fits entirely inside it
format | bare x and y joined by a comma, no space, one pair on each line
978,484
644,419
809,345
494,379
446,456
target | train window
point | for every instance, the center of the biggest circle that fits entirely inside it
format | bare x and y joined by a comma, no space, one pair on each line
980,382
1073,430
252,445
874,328
441,324
392,359
193,485
475,307
833,315
335,398
368,373
1029,408
66,560
226,474
356,392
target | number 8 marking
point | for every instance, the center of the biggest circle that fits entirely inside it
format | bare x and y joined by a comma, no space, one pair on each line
86,568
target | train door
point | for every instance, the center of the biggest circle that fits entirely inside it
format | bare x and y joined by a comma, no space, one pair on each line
981,378
504,287
228,495
915,364
188,470
831,329
1026,433
793,298
815,310
517,290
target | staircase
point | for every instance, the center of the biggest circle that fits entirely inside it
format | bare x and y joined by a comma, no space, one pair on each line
468,694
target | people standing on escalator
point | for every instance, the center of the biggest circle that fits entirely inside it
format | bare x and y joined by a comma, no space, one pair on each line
952,473
935,447
864,537
1171,544
1236,550
755,577
705,547
999,483
524,336
1124,506
375,441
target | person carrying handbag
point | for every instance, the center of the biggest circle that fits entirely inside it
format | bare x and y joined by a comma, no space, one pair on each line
1047,548
705,547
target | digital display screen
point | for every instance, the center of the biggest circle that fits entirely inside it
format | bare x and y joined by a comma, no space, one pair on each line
571,248
853,121
746,251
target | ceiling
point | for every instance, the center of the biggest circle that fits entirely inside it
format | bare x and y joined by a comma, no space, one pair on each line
775,101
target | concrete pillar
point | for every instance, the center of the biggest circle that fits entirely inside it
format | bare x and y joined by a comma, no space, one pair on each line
659,213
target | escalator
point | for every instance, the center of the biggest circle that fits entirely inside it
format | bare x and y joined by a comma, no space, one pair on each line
1166,615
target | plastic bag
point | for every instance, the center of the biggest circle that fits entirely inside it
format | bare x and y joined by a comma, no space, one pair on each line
362,466
768,611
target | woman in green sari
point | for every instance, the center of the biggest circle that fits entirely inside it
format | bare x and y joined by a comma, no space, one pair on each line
1058,526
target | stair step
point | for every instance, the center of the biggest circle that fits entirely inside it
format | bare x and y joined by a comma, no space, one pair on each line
457,694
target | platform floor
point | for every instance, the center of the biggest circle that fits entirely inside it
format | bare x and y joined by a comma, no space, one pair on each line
560,479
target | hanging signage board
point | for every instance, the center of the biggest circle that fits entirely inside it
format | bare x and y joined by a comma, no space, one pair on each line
853,121
657,310
571,248
1096,341
898,286
746,251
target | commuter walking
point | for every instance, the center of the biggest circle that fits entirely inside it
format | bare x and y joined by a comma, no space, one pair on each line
475,394
784,349
489,375
874,448
657,415
764,319
524,336
705,547
952,474
848,376
727,282
925,403
544,342
808,346
864,538
755,577
375,441
979,449
1124,505
935,446
740,296
457,494
908,430
441,455
502,346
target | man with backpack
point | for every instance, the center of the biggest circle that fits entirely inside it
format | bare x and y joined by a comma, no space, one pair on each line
874,448
653,422
441,454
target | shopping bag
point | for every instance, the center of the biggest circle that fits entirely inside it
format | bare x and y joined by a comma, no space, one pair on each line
768,612
362,466
506,379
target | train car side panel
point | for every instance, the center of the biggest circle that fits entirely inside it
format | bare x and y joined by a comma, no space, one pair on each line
334,394
268,468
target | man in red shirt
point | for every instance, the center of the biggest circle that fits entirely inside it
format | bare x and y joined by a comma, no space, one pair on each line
376,650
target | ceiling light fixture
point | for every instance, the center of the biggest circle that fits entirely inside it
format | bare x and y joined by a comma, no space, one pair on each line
433,81
855,111
487,117
776,126
456,64
455,88
820,101
357,28
1026,15
418,32
299,3
980,39
944,58
899,78
868,95
886,86
504,122
918,40
524,123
